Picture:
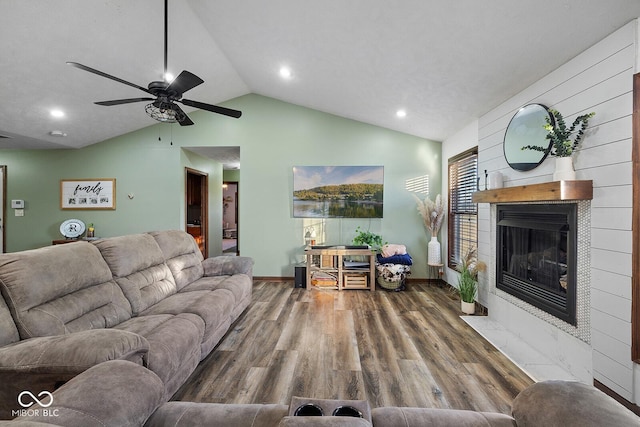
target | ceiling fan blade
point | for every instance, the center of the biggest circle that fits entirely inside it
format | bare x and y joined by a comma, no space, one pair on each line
213,108
184,82
108,76
123,101
181,116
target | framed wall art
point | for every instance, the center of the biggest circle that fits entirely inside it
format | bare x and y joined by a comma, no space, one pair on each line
338,191
88,193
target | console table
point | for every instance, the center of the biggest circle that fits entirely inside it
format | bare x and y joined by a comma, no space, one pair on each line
331,260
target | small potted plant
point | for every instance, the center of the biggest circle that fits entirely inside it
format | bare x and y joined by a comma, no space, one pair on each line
374,241
562,146
468,267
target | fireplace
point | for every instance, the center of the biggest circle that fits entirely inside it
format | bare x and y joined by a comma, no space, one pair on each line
536,256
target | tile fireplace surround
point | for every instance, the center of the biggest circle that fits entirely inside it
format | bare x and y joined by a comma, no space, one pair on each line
559,341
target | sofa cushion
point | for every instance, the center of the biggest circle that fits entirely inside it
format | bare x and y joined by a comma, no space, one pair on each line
213,307
424,417
181,254
239,285
8,330
60,289
137,263
176,414
116,393
174,345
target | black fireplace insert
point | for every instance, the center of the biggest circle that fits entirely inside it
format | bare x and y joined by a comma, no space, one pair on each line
536,256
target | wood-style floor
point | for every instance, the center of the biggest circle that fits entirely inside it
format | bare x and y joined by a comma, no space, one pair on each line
405,348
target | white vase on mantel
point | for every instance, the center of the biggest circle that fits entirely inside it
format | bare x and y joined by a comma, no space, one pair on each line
433,252
564,169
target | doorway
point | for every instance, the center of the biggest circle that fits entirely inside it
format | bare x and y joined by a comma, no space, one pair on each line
197,202
230,223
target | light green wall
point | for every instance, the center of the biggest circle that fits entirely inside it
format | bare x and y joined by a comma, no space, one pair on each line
273,136
231,175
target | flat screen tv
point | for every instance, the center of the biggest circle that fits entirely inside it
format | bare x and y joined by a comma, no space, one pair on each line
338,191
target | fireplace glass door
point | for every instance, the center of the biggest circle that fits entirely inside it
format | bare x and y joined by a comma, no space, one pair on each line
536,256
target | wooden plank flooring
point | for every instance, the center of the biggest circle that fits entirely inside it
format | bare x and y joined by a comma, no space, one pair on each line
405,348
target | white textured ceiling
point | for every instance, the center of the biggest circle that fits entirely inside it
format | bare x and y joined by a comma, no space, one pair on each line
445,62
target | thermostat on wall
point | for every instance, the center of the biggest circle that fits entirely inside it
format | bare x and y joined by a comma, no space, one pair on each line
17,204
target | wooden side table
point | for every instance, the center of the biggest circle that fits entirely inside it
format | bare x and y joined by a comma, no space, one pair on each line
332,261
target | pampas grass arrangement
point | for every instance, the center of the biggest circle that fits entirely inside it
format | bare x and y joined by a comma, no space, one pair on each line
432,213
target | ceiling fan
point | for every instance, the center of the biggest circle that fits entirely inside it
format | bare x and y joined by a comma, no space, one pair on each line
166,94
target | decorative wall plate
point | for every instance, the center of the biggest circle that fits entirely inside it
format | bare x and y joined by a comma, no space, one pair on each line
72,228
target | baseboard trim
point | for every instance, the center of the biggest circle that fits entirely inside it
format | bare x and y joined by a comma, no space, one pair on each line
273,279
286,279
624,402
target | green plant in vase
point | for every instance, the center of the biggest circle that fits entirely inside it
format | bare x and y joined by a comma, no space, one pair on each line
562,146
560,135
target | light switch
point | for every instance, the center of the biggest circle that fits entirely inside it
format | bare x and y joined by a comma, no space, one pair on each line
19,212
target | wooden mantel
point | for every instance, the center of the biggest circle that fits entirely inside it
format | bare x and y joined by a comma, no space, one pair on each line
548,191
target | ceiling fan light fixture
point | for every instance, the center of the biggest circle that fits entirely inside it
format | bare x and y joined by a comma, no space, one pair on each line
161,114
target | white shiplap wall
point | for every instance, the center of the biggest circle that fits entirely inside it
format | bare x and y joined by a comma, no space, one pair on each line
601,80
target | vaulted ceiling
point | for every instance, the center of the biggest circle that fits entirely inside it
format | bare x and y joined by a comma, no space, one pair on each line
445,62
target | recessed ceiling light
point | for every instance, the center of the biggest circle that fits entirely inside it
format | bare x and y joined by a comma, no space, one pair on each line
57,113
401,113
58,133
285,73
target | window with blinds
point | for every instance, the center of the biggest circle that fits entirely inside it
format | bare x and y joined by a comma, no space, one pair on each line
463,213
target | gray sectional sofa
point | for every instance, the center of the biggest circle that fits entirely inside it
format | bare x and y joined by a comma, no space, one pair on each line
121,393
150,299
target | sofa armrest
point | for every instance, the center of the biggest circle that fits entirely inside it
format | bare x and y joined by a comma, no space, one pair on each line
228,265
43,363
569,403
72,353
115,393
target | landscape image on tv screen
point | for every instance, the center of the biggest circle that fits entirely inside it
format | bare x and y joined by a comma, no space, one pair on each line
338,191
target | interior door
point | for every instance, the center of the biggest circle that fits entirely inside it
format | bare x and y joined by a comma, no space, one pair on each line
196,194
230,222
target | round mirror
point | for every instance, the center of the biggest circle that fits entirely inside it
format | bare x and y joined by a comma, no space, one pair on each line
527,128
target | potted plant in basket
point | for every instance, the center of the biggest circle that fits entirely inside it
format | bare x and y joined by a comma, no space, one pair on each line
468,267
562,146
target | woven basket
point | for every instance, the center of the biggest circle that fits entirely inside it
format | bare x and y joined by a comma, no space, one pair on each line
386,284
